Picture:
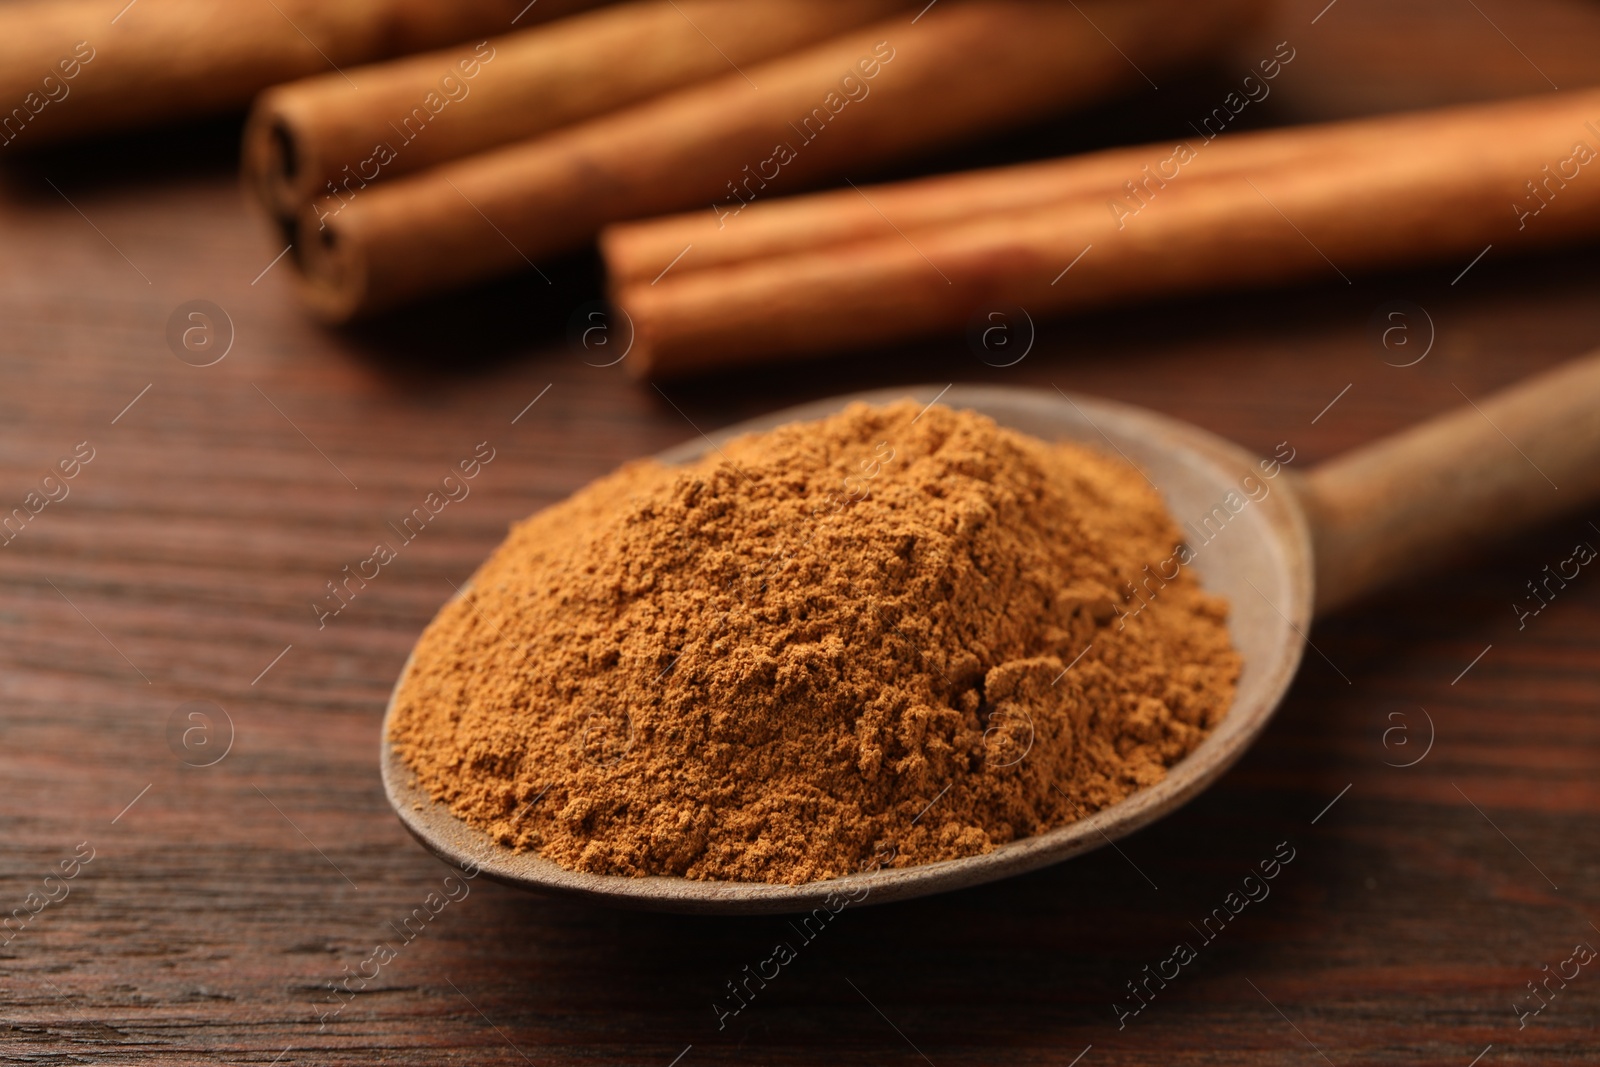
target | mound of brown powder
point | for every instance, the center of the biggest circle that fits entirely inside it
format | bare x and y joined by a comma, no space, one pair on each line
877,633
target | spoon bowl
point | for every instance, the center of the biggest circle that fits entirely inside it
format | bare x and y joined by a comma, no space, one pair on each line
1259,559
1280,546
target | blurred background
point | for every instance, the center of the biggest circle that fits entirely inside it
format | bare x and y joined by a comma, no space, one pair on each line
171,702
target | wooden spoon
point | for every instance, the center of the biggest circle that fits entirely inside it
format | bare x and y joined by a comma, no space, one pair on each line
1310,544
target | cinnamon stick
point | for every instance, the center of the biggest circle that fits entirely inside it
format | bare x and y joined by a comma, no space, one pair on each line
1247,209
640,251
864,98
305,138
75,67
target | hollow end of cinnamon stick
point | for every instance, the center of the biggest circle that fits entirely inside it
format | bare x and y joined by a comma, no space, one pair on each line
331,269
361,256
274,164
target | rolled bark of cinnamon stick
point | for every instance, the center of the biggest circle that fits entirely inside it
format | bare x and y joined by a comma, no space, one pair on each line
859,100
75,67
640,251
1242,210
304,138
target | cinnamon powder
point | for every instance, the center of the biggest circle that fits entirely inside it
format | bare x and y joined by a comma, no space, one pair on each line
877,631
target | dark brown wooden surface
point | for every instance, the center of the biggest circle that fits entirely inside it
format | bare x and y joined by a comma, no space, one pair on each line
220,906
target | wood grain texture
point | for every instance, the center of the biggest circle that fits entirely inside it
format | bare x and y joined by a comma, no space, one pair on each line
219,907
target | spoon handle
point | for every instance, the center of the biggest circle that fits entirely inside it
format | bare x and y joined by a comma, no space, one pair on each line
1484,471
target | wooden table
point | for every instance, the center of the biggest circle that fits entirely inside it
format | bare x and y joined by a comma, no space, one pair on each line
222,901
